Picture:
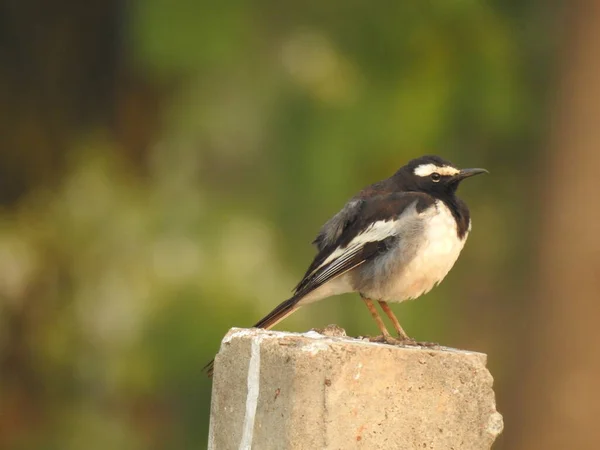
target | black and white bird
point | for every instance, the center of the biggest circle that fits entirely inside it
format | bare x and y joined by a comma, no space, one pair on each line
394,241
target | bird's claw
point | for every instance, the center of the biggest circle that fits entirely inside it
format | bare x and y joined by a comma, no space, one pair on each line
381,338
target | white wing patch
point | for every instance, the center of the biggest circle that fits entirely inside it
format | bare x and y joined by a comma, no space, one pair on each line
424,170
377,231
336,264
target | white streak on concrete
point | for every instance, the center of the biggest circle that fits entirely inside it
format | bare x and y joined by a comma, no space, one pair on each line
252,395
315,347
237,332
313,334
358,369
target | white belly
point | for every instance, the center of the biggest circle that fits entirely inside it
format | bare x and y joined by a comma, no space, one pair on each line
407,273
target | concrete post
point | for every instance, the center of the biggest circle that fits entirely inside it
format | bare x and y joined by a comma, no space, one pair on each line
274,390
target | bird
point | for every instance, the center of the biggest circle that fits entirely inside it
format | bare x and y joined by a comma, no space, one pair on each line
393,241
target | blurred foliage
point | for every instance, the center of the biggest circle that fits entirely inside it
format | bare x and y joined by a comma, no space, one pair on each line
215,141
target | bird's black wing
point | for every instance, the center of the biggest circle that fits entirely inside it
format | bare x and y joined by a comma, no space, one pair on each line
334,227
370,230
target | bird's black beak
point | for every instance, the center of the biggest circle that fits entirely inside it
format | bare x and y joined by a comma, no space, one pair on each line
466,173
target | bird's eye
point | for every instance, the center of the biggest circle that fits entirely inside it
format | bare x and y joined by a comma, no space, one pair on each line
435,177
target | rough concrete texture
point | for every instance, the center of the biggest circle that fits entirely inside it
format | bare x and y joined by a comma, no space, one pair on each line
274,390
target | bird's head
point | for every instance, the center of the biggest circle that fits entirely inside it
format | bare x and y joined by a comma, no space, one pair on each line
433,175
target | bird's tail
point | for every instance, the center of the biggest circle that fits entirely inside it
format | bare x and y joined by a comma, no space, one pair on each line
280,312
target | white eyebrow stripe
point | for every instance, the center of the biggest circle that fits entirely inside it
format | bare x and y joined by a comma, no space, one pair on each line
424,170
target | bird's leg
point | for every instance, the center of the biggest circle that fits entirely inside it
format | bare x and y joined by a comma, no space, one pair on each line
377,318
401,333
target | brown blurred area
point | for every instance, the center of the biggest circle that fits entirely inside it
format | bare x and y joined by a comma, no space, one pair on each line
561,367
164,166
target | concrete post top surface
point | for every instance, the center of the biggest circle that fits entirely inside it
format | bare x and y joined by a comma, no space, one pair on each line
333,335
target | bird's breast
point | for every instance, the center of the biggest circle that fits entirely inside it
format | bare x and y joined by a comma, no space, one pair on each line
421,260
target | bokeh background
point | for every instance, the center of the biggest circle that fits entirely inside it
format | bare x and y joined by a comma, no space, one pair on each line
164,165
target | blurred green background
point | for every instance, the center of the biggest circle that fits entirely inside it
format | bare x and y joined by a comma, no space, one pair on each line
165,164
